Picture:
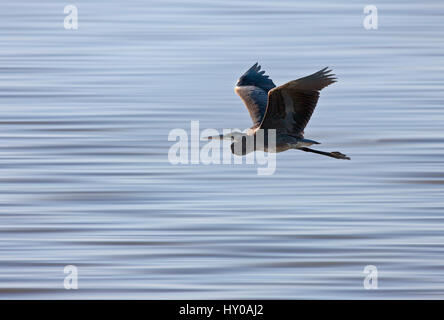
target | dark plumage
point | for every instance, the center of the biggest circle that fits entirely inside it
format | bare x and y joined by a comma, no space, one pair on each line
286,109
257,78
291,105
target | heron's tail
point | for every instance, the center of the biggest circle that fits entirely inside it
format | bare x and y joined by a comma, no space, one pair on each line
308,142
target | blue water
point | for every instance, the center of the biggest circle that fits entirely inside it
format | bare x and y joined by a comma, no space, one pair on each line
85,178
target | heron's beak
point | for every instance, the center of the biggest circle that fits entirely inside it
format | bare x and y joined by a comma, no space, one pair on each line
219,137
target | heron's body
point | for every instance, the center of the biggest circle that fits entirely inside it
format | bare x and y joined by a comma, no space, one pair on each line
283,142
281,112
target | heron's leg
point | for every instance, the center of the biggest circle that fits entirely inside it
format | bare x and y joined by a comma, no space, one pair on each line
335,154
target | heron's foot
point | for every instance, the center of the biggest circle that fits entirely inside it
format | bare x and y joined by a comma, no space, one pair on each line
334,154
339,155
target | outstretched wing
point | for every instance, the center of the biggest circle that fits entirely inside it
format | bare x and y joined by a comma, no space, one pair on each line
291,105
252,87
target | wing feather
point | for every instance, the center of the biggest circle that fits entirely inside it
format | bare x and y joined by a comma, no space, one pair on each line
291,105
253,87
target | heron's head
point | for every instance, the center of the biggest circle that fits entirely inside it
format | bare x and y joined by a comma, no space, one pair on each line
243,146
237,136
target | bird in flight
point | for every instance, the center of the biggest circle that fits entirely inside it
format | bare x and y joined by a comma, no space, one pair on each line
286,109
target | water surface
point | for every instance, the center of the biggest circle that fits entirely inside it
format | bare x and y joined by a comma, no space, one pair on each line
84,172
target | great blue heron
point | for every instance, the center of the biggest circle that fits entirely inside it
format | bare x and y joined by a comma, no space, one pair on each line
286,108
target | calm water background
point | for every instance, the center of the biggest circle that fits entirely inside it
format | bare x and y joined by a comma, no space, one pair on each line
85,178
